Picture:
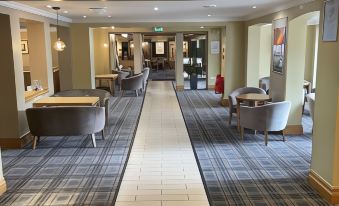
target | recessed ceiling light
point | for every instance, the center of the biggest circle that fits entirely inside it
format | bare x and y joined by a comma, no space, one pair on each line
49,6
202,27
84,17
109,16
254,7
209,15
156,8
124,35
113,27
66,12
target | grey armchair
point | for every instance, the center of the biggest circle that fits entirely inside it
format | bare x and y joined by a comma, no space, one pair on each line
264,83
269,117
233,101
145,74
65,121
122,75
311,102
132,83
104,97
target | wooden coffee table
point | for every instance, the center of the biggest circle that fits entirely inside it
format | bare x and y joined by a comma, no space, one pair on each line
253,100
66,101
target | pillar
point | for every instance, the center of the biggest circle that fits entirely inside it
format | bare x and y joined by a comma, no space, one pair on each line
179,66
138,56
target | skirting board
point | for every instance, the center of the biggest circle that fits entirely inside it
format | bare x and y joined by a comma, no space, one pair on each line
294,130
3,186
325,190
179,88
15,143
225,102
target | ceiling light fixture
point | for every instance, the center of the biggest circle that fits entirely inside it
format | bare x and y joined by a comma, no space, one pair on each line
66,12
202,27
210,6
209,15
84,17
49,6
113,27
109,16
124,35
58,45
156,8
254,7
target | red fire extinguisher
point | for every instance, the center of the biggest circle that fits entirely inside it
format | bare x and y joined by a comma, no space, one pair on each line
219,84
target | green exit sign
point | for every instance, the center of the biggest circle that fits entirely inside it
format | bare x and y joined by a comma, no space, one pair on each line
158,29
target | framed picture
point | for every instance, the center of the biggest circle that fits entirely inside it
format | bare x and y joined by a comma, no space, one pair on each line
330,25
215,47
159,48
279,45
24,47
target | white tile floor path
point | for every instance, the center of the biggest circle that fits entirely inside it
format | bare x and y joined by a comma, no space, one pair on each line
161,170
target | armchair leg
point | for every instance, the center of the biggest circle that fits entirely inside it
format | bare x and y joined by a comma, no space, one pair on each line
230,118
242,133
136,93
93,140
122,93
103,134
35,139
284,138
266,137
38,139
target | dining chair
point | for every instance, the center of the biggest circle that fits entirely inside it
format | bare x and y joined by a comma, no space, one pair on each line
266,118
233,101
132,83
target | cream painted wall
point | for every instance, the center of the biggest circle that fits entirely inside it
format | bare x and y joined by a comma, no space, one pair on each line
101,53
25,57
55,58
265,51
223,51
310,52
214,62
235,57
20,124
253,56
325,158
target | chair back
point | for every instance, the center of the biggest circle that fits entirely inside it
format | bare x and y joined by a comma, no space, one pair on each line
65,121
277,115
264,83
145,74
245,90
311,101
132,83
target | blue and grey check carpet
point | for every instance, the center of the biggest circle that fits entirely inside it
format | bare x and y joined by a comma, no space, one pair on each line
248,172
68,170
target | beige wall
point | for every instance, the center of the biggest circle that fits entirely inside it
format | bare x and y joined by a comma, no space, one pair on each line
214,62
310,52
235,56
25,57
265,51
253,56
55,59
101,53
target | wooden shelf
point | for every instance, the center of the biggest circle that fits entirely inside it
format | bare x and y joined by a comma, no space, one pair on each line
30,95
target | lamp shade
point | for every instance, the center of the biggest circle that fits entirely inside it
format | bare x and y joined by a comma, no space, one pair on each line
59,45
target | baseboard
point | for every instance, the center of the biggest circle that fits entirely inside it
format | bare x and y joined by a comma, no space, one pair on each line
3,186
225,102
294,130
15,143
325,190
179,88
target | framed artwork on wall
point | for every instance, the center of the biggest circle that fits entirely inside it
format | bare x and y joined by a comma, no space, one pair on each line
159,48
24,47
215,47
330,25
279,45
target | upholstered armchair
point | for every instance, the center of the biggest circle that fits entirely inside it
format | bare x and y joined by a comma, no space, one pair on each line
233,101
132,83
145,74
311,102
269,117
65,121
264,83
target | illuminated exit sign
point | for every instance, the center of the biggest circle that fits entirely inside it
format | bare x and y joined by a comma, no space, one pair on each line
158,29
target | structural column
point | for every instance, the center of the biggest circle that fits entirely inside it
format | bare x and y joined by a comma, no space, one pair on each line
179,66
138,56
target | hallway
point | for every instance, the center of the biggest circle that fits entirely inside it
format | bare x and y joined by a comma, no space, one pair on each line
161,170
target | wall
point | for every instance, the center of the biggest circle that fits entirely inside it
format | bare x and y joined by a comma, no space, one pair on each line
310,52
265,51
25,57
214,62
101,53
253,56
55,58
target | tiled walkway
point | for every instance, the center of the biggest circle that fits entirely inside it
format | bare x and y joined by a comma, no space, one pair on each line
161,170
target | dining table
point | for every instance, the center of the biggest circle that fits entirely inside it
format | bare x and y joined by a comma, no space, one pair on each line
253,99
66,101
107,77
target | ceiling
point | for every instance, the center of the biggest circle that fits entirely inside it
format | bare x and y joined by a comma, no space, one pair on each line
168,11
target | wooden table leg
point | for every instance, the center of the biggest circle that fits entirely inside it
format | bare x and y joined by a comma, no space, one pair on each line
238,114
113,87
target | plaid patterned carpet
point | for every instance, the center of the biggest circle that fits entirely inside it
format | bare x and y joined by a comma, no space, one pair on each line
246,173
68,170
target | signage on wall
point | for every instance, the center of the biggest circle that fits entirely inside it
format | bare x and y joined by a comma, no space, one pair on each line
215,47
158,29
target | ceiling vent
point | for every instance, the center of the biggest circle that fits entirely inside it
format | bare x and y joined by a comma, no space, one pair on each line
98,10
